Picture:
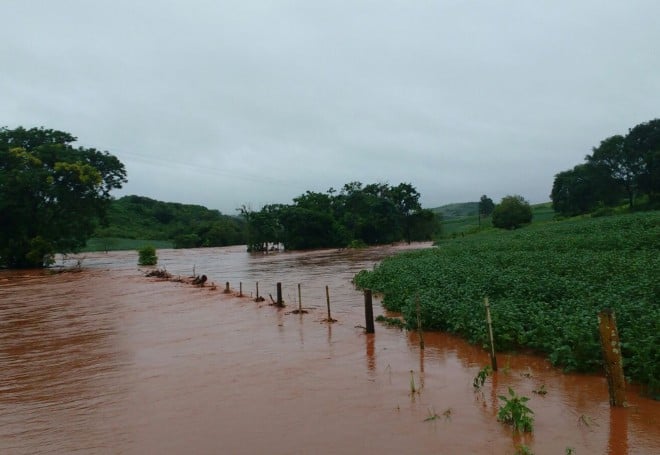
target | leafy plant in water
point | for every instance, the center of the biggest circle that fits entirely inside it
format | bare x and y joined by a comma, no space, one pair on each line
481,377
147,256
432,415
515,412
541,390
413,387
523,450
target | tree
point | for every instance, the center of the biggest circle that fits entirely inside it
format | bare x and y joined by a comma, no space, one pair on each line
644,141
406,200
512,212
486,206
52,195
625,164
583,188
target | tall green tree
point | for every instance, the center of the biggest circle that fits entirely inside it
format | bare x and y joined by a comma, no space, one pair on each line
486,205
512,212
625,165
644,141
52,195
583,188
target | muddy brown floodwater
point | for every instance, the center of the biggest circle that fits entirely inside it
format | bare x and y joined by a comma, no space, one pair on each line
107,361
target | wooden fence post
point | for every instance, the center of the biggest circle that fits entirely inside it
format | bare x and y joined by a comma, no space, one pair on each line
420,332
493,359
609,341
299,300
279,294
368,311
327,299
240,289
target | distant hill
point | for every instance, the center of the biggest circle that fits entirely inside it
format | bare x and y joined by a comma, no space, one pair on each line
457,209
185,225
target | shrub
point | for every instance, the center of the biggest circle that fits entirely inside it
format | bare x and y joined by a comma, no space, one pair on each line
147,256
512,212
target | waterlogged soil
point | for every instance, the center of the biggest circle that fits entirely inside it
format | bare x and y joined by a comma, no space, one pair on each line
105,360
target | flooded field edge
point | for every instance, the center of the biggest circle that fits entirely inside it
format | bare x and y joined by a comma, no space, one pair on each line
106,360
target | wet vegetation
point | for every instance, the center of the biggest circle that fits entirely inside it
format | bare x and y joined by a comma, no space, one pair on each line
52,194
358,215
515,412
147,256
546,284
181,225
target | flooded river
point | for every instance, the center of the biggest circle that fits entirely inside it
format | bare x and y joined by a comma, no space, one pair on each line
104,360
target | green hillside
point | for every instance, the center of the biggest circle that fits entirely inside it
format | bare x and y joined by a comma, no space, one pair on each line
179,225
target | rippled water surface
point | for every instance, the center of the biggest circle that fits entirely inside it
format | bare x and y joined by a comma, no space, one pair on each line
104,360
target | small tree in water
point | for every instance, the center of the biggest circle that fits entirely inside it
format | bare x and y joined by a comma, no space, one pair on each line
147,256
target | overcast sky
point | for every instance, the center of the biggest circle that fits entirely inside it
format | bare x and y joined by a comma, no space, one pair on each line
224,103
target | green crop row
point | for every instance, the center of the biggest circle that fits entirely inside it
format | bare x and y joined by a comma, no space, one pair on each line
546,285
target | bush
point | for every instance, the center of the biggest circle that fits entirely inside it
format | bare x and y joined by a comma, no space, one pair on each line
147,256
512,212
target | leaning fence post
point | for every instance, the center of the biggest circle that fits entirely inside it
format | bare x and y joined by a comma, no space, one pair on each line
327,299
493,359
609,341
368,311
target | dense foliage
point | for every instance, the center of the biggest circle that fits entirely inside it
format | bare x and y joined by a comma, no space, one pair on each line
546,284
621,166
371,214
188,226
147,255
512,212
51,194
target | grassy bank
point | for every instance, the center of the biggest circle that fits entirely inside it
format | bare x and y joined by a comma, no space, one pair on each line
546,284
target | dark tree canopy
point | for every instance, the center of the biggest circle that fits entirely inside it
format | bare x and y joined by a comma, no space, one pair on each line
486,205
371,214
51,194
512,212
581,189
619,167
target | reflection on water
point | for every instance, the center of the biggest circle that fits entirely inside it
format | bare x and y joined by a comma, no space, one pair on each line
107,361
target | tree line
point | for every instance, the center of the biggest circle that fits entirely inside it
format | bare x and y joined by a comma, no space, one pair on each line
619,168
356,215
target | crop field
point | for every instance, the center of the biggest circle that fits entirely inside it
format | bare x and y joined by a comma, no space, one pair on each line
546,284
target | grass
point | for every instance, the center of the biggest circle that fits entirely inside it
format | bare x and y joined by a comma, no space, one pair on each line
461,225
121,244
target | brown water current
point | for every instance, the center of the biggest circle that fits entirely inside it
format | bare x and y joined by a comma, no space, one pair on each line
104,360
